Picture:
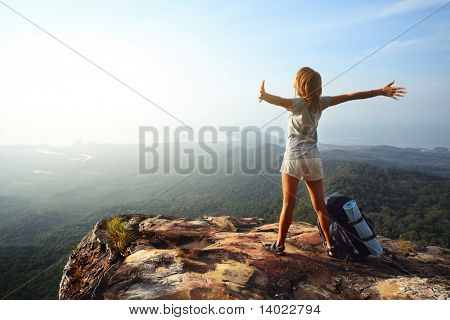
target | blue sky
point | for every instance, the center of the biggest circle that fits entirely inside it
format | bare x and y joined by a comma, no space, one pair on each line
203,62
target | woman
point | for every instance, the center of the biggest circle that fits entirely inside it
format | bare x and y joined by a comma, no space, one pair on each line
302,159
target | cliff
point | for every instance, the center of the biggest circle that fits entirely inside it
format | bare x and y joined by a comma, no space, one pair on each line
222,258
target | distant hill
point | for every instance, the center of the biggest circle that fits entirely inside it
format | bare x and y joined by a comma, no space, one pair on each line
432,161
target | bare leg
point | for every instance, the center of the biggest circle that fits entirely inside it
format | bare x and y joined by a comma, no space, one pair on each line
290,185
315,189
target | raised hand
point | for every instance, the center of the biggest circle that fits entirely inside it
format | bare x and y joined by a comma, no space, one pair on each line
393,92
262,92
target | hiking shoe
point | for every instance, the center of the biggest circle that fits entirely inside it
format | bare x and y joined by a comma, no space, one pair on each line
274,248
330,251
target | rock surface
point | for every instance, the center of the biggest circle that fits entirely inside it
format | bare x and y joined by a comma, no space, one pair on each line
222,258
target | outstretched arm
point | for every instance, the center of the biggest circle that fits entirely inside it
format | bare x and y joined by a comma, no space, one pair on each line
278,101
388,91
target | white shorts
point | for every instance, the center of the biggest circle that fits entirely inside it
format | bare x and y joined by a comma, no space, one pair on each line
308,169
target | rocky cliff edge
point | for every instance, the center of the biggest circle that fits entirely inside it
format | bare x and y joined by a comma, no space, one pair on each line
221,258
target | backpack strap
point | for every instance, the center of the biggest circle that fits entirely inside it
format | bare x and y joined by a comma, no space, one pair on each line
356,221
373,236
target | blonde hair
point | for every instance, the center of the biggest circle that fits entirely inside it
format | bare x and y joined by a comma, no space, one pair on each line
308,85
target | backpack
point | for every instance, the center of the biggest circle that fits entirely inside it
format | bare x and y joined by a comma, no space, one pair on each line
351,233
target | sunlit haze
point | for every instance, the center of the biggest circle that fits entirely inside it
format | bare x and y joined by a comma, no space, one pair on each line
203,61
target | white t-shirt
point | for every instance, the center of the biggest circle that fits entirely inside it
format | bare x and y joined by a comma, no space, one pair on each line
302,129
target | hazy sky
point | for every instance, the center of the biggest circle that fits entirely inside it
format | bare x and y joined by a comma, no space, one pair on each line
203,61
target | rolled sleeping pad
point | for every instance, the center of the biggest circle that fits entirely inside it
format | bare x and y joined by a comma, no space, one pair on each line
365,233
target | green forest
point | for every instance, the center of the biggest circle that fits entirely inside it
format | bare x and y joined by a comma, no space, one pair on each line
39,228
